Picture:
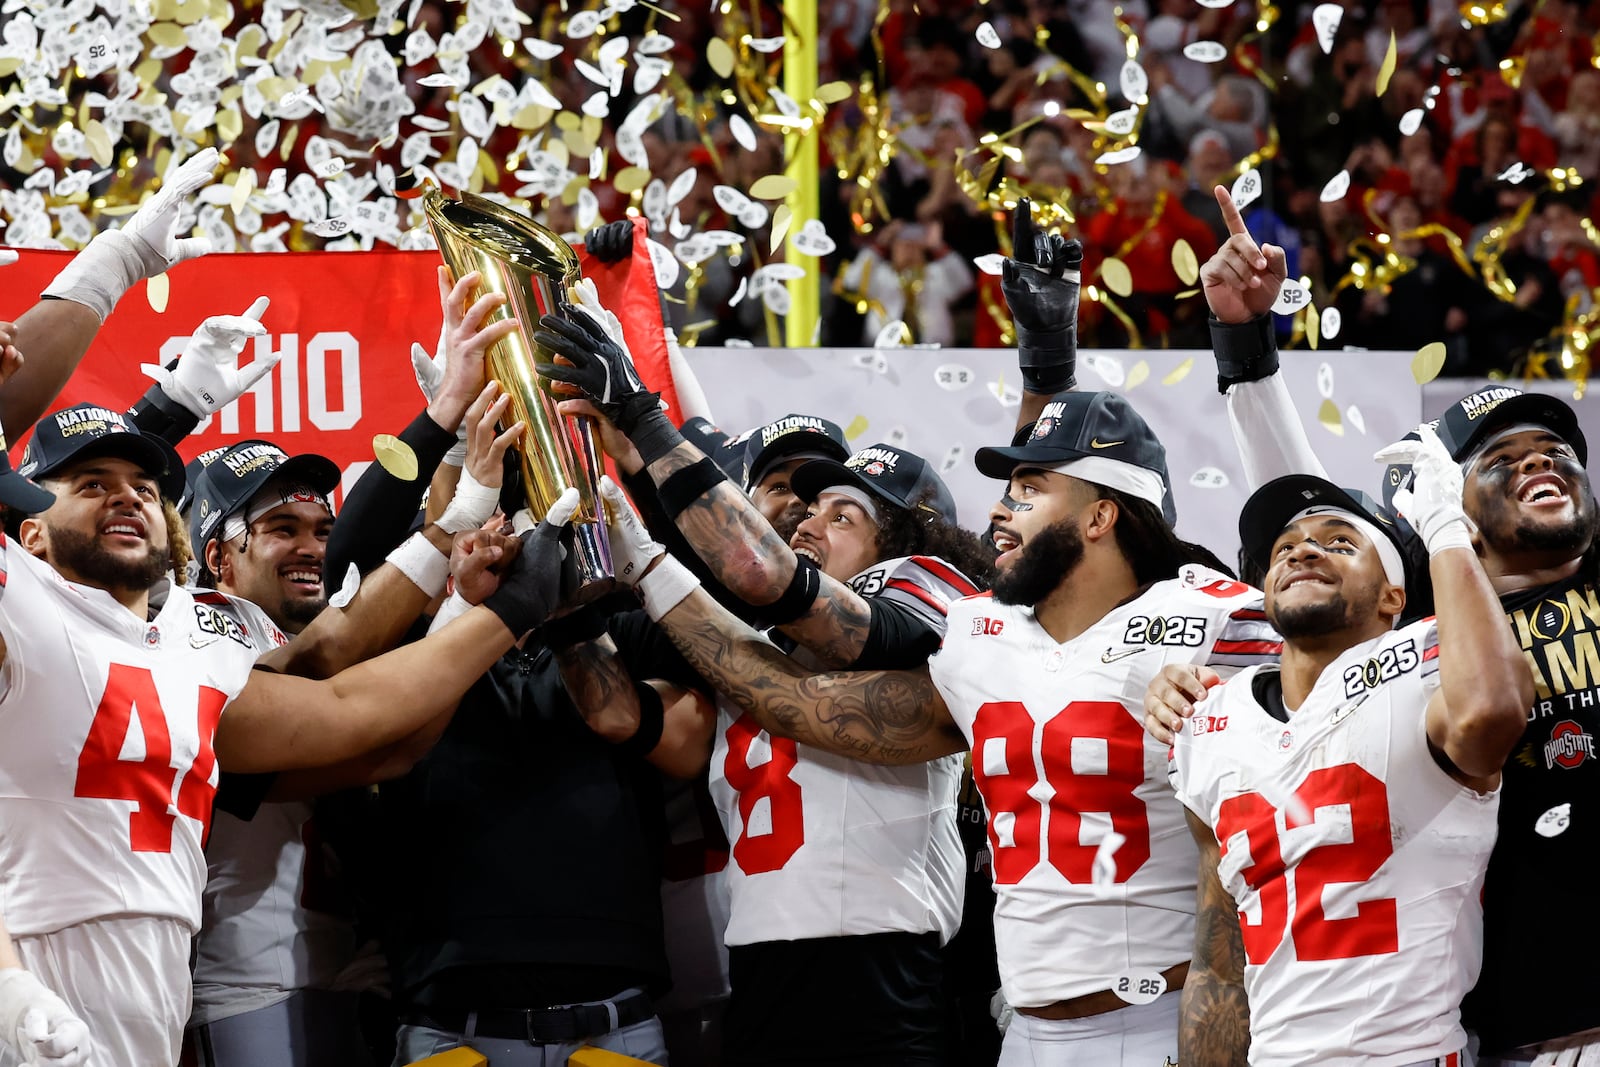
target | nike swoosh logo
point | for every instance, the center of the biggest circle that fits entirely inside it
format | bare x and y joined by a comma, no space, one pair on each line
1109,656
195,642
1097,443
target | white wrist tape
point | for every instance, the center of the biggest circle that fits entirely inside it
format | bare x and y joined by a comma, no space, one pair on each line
453,608
1452,534
425,565
98,276
665,587
471,507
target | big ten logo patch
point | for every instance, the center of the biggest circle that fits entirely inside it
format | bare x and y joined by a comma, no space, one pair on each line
1184,631
317,381
1389,664
1208,724
983,626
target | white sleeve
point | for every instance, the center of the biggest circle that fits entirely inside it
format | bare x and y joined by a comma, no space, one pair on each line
1268,433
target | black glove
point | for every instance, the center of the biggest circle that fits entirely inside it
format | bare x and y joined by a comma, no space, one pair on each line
611,243
1043,299
604,371
534,585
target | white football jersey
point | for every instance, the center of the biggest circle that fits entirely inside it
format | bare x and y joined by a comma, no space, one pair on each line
273,917
107,770
1356,861
826,846
1094,867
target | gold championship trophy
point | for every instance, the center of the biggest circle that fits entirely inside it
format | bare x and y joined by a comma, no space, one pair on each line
531,267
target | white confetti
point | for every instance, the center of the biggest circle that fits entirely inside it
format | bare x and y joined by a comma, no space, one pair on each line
1411,121
729,199
1246,188
329,168
785,102
893,335
681,186
8,257
952,377
988,36
1121,155
1326,19
777,299
653,44
1325,380
337,227
438,81
583,24
765,45
1007,394
1109,368
1353,416
812,240
1103,870
952,459
1331,321
543,50
598,106
1554,822
990,264
1517,173
742,132
1135,83
588,208
1336,188
347,590
1122,122
1209,478
1205,51
665,264
1139,987
1291,298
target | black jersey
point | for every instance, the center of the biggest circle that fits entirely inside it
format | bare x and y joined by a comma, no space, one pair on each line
1537,981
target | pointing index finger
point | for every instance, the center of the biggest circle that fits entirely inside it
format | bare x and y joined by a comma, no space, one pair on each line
1022,243
1230,210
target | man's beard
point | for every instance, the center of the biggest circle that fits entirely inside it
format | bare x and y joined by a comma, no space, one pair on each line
1311,620
787,524
1041,564
1504,528
93,564
300,610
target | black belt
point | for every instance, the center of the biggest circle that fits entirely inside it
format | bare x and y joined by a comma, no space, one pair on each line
544,1026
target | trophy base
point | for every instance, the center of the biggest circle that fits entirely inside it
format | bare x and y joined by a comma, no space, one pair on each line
592,559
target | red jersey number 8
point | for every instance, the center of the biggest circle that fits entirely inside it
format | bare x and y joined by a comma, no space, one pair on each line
771,781
1015,817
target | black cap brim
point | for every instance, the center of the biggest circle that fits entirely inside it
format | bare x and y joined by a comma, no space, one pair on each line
1540,409
1000,462
152,455
811,479
1270,508
19,494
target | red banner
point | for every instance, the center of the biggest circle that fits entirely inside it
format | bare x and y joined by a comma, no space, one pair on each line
344,321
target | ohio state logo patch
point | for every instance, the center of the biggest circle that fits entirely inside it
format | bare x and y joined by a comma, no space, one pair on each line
1569,745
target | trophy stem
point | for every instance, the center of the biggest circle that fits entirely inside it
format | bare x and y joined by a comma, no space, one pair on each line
591,539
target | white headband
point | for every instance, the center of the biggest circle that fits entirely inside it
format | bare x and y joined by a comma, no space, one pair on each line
857,495
1489,440
1138,482
273,496
1394,568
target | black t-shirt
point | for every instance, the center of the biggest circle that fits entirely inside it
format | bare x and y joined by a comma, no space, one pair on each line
1537,981
526,850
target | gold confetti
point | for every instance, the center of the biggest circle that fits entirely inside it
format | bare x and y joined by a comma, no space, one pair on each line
1179,373
833,92
1313,325
1117,276
242,188
631,179
773,187
1386,71
395,456
720,56
1428,362
99,142
166,35
857,427
1137,374
156,290
1332,421
1185,263
780,226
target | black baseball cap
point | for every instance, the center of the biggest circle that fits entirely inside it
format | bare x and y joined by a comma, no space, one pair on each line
717,446
1084,425
791,437
86,430
893,475
229,477
1469,421
16,492
1270,509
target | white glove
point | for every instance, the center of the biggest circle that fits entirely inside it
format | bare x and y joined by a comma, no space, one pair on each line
632,547
430,376
146,245
38,1024
1433,503
588,298
1000,1011
208,377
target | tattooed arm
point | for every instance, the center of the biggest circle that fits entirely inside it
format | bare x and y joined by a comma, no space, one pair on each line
748,557
597,680
891,717
1214,1016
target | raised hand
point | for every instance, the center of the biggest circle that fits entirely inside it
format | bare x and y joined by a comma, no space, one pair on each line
464,344
478,489
480,557
147,244
1040,281
597,365
531,591
1241,281
207,377
1432,503
611,243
